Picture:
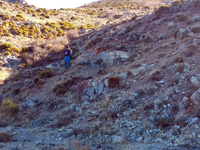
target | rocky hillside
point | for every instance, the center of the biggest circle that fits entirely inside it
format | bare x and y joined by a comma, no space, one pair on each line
134,82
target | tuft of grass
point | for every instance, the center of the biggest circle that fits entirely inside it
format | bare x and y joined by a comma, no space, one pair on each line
195,29
164,122
105,103
156,76
46,73
179,60
181,17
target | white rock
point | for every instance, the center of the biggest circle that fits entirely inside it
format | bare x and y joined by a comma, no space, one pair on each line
106,82
123,76
195,81
117,139
195,98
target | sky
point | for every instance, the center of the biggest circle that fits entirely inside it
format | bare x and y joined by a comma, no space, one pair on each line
57,4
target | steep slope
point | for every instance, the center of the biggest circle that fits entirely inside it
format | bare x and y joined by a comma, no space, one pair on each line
132,85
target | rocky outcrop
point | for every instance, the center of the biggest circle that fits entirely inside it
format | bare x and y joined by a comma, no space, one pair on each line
20,1
109,59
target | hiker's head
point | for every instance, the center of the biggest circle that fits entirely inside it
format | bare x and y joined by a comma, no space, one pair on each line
67,46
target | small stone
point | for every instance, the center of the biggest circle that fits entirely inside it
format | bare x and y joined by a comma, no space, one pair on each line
85,98
195,18
195,98
139,70
123,76
170,24
192,121
139,139
117,139
157,103
181,116
185,100
106,82
181,105
195,81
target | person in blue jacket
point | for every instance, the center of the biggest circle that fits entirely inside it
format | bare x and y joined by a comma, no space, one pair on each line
67,52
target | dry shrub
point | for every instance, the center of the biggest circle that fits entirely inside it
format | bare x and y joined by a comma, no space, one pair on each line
179,60
163,9
72,34
181,17
61,40
36,43
65,118
180,67
114,82
104,104
57,44
42,49
164,122
57,48
5,137
78,146
156,76
62,88
46,73
195,29
79,88
37,55
9,107
110,15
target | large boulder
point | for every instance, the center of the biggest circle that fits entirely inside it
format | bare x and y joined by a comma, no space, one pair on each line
108,59
11,61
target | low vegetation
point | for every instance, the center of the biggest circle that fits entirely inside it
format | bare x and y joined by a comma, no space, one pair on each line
5,137
9,107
